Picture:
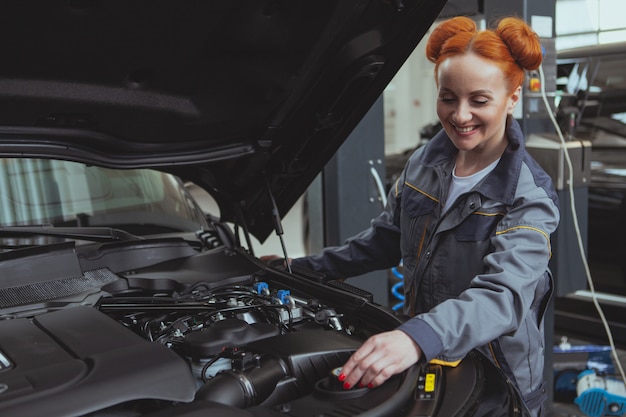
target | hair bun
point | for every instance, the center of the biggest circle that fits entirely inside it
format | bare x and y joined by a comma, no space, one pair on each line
522,41
445,31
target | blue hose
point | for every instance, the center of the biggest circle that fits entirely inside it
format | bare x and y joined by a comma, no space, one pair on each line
396,289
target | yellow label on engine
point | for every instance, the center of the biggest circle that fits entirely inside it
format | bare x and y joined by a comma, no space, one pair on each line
429,386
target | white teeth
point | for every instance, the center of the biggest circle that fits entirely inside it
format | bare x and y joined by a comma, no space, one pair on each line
464,129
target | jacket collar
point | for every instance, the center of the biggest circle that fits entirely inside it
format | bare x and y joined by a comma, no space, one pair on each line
501,183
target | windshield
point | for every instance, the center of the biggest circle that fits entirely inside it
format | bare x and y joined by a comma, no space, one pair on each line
62,193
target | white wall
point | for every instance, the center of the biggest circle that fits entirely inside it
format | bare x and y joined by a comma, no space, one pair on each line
409,102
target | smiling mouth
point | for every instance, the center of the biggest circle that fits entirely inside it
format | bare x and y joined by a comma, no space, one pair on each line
465,129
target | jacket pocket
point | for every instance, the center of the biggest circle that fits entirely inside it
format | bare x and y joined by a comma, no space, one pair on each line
477,227
416,203
536,398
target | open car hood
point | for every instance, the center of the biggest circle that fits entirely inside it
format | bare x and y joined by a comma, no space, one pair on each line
239,97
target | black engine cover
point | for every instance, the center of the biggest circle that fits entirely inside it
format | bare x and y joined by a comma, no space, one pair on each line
79,360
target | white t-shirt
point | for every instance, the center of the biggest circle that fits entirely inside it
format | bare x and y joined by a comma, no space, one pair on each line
459,185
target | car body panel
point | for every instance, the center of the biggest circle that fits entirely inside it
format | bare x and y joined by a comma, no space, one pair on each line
239,97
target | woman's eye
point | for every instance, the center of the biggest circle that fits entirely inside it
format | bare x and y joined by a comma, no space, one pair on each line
480,102
446,99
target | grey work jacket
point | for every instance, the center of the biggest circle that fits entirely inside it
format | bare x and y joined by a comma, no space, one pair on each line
475,277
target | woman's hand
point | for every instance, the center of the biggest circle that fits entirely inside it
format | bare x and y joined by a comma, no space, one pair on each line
380,357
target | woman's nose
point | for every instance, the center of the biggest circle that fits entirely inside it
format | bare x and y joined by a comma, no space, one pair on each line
462,113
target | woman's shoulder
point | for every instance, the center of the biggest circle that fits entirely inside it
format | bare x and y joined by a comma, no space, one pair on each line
535,180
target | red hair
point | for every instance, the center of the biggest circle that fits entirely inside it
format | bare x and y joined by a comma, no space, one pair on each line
512,45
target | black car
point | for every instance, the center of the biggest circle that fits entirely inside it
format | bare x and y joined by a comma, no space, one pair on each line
119,296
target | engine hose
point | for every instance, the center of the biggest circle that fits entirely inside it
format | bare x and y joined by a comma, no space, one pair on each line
244,389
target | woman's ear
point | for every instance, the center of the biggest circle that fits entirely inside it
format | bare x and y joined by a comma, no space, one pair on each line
514,99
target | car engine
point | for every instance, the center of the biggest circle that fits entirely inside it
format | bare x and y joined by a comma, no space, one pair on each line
153,328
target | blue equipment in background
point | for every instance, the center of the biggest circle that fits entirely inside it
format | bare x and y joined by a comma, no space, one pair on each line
586,375
600,395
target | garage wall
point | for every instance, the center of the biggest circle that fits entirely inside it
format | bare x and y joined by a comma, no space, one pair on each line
409,102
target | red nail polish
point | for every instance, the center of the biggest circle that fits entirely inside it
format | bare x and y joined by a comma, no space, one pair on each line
341,377
346,385
361,385
370,385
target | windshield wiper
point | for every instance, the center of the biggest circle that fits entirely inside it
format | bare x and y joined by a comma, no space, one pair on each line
96,234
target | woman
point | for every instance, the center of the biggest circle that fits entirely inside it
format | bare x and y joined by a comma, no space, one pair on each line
470,218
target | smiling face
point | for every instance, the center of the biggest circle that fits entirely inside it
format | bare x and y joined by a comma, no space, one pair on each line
473,104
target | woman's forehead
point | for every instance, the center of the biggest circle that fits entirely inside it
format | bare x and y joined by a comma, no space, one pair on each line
470,72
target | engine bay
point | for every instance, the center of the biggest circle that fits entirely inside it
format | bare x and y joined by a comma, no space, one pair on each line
151,332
